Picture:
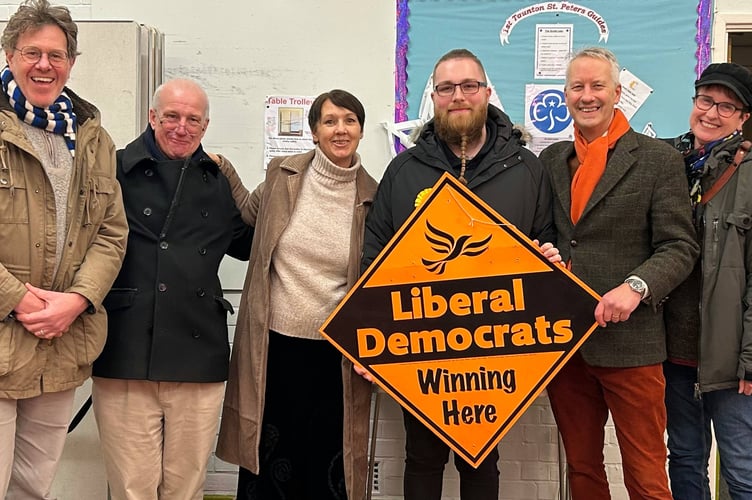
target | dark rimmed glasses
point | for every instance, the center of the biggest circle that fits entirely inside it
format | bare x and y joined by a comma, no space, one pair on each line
725,109
469,87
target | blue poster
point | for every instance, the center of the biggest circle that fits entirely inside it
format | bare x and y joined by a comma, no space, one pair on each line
655,41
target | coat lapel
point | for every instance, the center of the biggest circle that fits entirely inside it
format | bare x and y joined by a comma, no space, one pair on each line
621,160
294,167
281,202
560,179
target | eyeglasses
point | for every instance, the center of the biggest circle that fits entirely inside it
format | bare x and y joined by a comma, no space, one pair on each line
467,88
32,55
192,125
725,109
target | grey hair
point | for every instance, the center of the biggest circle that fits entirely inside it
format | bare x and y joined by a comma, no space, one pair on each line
35,14
597,53
183,82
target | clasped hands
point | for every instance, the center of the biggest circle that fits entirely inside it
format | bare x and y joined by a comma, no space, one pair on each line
47,314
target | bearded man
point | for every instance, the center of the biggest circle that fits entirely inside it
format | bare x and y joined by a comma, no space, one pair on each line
475,142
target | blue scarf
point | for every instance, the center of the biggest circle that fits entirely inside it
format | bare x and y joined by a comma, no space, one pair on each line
694,161
58,118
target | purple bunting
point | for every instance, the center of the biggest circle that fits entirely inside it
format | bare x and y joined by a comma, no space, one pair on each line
400,57
704,18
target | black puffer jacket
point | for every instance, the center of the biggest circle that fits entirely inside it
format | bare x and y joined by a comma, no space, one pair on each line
509,178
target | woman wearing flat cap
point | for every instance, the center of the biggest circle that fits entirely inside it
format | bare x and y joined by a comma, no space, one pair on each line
708,318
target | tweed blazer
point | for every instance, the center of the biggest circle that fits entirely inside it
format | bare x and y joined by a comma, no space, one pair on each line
637,222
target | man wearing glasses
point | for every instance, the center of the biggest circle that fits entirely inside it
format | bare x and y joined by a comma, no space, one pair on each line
475,142
159,382
62,238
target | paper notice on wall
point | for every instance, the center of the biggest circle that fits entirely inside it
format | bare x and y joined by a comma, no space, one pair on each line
286,130
553,47
634,93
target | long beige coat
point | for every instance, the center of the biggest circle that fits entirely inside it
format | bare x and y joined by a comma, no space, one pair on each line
91,257
268,209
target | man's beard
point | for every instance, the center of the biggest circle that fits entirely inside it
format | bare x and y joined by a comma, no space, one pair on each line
451,128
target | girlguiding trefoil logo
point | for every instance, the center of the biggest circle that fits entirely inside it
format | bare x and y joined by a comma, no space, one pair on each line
549,113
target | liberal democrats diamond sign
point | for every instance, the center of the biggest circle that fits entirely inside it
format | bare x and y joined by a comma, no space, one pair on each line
462,320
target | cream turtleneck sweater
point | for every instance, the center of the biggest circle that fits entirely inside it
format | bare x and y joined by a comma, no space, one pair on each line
309,264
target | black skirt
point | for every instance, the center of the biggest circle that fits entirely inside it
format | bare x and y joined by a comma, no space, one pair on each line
301,438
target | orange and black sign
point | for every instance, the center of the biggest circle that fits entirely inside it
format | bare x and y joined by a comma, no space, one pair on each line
462,320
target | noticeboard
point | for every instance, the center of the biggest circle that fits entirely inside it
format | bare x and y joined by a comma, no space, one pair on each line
462,320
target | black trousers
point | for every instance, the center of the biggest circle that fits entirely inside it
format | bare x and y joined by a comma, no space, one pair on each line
301,437
424,467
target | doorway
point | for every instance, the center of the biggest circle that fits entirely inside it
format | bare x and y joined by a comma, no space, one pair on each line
740,52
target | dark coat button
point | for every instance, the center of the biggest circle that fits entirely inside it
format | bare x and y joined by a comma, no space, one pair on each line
163,245
200,292
573,243
162,287
202,251
148,172
147,211
204,212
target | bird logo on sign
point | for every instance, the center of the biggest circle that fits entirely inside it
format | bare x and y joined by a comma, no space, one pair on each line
450,248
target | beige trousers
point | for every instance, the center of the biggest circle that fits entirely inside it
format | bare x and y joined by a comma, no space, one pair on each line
156,437
32,435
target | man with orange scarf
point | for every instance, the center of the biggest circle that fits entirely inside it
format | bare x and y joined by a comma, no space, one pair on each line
624,227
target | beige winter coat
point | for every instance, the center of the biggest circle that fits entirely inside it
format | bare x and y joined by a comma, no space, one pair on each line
90,260
269,209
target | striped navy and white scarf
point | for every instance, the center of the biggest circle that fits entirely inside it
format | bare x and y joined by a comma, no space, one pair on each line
57,118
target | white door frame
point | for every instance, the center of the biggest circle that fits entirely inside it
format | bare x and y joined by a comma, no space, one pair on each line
723,23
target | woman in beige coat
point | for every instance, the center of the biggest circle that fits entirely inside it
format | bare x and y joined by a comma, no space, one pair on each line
295,415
